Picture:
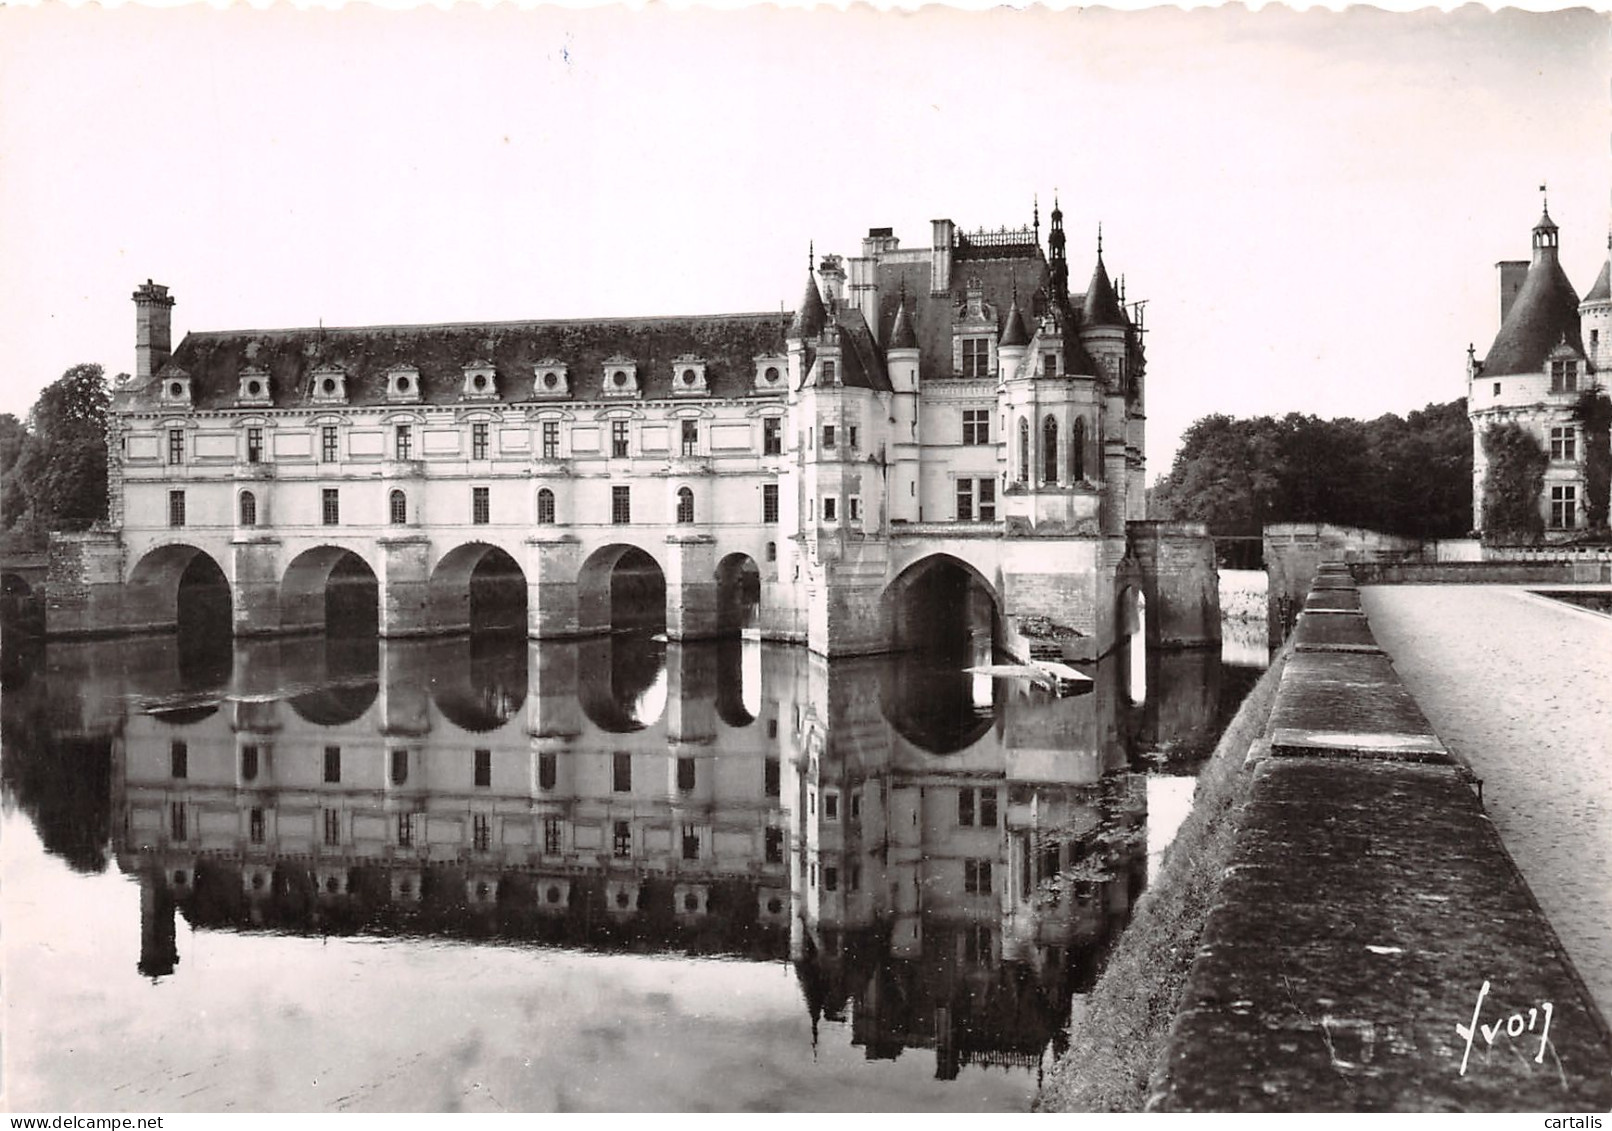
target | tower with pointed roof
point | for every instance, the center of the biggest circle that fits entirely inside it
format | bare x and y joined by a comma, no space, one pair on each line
1550,347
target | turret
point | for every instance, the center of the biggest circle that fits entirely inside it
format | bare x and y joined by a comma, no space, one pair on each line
1010,349
1596,314
153,313
901,357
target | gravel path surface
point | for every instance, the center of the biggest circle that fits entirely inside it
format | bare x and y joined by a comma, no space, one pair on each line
1521,687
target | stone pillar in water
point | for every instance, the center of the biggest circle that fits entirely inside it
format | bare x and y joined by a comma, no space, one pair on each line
551,586
404,576
690,586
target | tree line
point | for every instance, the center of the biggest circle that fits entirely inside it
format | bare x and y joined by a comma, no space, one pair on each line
53,466
1408,475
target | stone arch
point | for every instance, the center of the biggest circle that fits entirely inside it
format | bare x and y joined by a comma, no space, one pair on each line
941,601
178,586
478,586
738,595
621,586
330,589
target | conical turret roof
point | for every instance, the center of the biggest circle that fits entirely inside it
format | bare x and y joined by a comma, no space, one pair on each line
902,336
1101,307
1014,333
811,315
1602,290
1544,313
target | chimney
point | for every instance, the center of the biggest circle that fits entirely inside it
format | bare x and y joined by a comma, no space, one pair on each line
153,337
1512,274
940,263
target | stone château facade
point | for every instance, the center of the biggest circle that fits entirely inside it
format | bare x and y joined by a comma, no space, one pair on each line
801,476
1550,348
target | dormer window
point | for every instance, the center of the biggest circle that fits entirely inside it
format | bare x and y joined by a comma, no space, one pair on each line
770,374
551,379
1564,375
330,385
481,382
175,387
620,377
403,385
688,377
977,357
254,388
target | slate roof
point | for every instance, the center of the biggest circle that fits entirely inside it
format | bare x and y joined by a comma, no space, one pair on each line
727,343
1544,312
931,315
1101,306
1602,290
1013,331
901,334
861,361
810,319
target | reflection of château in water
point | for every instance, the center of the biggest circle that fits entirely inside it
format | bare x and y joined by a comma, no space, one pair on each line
942,856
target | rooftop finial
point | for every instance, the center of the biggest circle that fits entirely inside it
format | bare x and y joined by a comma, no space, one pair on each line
1099,237
811,255
1036,211
1544,196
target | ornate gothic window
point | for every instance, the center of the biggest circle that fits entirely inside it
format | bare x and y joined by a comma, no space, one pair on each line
1024,450
1049,450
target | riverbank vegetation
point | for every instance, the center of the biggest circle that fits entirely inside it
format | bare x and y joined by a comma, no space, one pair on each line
1408,475
1118,1043
53,468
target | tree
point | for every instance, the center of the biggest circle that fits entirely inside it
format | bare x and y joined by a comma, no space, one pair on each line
1512,484
60,472
1592,412
14,442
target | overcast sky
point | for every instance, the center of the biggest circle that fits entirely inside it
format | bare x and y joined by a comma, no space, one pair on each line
1311,202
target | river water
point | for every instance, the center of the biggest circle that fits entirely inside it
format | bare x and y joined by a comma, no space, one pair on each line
484,874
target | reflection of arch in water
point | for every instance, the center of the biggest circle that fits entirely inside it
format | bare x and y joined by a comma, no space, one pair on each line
1130,635
330,588
738,681
621,681
941,601
478,586
479,682
738,595
621,587
338,677
181,586
930,700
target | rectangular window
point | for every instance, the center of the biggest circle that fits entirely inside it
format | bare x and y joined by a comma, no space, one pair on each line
965,500
685,775
618,438
332,827
1564,507
548,770
176,508
965,807
478,441
1049,364
249,763
254,826
1564,376
621,773
254,445
691,843
403,439
851,436
327,443
769,777
976,357
987,500
621,505
831,878
332,763
828,436
977,877
400,767
988,808
856,805
769,502
772,436
775,846
551,836
551,439
405,830
484,769
853,508
691,437
1564,443
481,510
176,445
330,506
1497,388
482,832
178,759
831,805
828,372
176,821
829,508
622,839
976,426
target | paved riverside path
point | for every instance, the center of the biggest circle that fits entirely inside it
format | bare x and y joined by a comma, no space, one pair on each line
1520,687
